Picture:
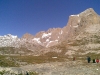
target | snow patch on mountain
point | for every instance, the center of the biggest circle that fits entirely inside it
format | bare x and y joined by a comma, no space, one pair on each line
9,40
46,35
47,40
37,40
75,15
49,43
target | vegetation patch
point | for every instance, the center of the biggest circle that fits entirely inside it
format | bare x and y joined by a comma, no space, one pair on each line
3,72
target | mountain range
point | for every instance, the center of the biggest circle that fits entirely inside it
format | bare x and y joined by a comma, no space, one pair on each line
80,36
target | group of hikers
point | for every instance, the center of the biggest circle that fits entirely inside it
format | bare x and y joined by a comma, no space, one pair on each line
89,60
94,60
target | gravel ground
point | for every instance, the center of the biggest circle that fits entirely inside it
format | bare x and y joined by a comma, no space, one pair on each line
64,68
58,68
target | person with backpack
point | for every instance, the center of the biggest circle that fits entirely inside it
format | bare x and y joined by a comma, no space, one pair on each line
88,59
94,61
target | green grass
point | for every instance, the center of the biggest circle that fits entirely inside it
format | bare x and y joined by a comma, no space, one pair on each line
8,72
11,61
38,59
6,61
33,73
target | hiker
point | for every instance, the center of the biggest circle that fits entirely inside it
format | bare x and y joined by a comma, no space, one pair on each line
73,58
88,59
97,60
94,61
27,73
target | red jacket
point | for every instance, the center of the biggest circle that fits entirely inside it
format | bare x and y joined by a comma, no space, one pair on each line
97,60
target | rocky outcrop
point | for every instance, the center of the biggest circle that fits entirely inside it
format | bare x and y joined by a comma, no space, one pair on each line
27,36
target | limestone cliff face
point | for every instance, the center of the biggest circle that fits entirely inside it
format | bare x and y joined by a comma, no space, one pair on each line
83,33
78,23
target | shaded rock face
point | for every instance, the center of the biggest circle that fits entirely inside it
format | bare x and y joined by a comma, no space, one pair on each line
81,26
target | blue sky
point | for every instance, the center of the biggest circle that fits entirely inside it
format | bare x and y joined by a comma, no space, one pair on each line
18,17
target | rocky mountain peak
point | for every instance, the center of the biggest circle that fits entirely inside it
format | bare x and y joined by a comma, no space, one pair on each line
28,36
8,36
79,22
88,12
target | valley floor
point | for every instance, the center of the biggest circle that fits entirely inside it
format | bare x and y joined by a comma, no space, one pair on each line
60,68
65,68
